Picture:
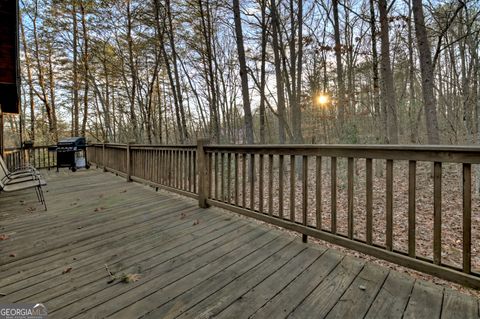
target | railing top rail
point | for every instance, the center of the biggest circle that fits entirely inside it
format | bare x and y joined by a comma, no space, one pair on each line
432,153
189,146
389,147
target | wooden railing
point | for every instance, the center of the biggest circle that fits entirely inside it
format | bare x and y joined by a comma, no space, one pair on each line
169,167
38,156
410,205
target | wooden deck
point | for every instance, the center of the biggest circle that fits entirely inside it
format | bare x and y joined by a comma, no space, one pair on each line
193,263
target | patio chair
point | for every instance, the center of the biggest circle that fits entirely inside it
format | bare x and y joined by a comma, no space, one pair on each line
17,170
19,175
34,181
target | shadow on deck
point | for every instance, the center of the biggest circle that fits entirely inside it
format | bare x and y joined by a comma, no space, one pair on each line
193,263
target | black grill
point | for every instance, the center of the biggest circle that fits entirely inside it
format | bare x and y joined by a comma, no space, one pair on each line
70,152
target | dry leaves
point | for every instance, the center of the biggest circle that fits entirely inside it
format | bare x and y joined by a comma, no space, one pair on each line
125,278
4,237
128,278
196,222
183,215
67,270
13,255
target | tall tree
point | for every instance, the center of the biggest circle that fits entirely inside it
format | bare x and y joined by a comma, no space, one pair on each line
278,73
243,72
388,89
426,71
339,63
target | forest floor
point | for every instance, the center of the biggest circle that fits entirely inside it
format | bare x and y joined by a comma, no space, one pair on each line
452,208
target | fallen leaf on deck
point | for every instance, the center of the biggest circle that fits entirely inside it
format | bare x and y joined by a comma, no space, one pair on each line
128,278
13,255
362,287
196,222
4,237
182,216
67,270
124,191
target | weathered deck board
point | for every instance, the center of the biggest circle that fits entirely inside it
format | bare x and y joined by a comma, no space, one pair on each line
194,263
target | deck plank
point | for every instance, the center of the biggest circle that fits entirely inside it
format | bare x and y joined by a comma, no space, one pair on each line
193,262
325,296
392,298
425,301
256,297
359,296
458,306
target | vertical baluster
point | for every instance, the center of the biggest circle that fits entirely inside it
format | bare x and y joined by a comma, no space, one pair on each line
270,184
467,214
292,188
162,167
236,179
252,181
210,173
184,170
280,186
216,175
437,213
260,183
389,200
194,155
229,168
222,177
190,171
244,182
318,191
333,194
350,196
170,167
412,181
305,194
369,198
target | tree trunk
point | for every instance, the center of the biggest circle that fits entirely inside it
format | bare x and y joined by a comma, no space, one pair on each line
427,76
278,74
376,87
28,66
85,69
388,91
133,73
338,57
243,72
75,113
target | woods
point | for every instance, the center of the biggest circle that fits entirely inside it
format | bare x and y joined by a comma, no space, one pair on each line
250,71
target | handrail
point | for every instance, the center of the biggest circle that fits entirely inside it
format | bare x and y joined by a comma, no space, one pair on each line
38,156
302,188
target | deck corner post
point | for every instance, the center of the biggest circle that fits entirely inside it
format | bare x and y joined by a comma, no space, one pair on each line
202,173
128,163
103,157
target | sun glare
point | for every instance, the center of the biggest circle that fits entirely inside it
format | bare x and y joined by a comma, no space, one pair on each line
323,99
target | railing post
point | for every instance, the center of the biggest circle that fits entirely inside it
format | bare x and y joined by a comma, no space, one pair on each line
103,157
128,163
202,173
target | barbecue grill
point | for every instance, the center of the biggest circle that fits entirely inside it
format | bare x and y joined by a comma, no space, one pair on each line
72,153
